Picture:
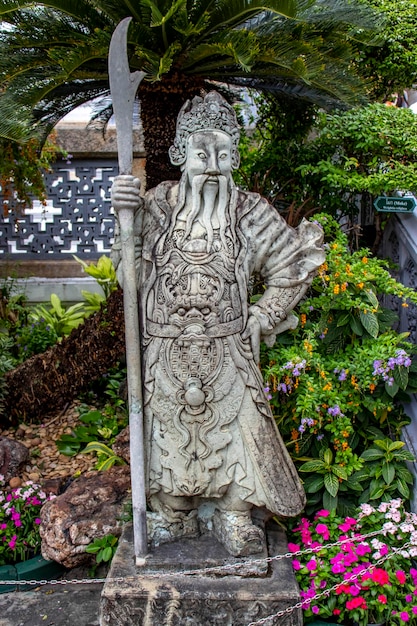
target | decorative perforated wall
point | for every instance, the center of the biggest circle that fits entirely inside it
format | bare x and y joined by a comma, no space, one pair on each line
76,220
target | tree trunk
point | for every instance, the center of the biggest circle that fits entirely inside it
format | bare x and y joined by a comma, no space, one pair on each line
44,384
160,105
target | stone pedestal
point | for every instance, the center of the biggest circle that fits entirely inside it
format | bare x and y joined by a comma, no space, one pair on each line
159,594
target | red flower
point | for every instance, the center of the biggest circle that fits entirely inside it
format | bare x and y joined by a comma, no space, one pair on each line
382,598
356,603
401,577
380,576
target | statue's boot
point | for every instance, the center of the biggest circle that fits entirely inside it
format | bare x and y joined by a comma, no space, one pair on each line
235,530
165,524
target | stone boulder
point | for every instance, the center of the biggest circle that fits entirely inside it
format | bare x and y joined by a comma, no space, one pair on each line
91,507
13,456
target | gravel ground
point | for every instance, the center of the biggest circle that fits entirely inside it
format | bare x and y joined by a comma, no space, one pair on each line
46,462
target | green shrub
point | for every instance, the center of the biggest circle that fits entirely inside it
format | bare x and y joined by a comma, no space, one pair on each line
337,381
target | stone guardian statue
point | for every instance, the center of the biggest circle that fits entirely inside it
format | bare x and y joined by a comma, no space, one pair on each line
213,451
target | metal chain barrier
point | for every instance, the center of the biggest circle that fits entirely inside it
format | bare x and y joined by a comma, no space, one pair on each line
327,592
216,570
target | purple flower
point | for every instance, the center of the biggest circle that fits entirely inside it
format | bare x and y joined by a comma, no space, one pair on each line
335,410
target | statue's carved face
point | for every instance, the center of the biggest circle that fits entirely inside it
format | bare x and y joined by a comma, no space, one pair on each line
209,152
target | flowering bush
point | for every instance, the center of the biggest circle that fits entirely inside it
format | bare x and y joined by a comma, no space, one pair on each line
19,522
365,574
338,379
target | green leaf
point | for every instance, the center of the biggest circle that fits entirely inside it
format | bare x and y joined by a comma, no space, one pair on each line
328,456
371,297
356,326
370,323
331,483
395,445
391,390
56,305
313,466
376,493
403,488
329,501
401,376
343,318
313,484
372,454
100,448
340,472
388,473
107,554
404,455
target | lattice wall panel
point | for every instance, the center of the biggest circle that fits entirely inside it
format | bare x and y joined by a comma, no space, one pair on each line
77,219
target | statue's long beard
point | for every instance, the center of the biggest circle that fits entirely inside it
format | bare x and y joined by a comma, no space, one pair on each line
209,196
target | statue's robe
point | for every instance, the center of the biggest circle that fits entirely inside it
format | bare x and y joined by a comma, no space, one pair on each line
208,424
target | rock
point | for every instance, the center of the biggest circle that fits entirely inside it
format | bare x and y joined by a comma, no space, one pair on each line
13,455
34,476
91,507
15,482
53,485
121,445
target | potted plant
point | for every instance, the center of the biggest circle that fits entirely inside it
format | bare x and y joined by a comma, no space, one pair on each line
358,569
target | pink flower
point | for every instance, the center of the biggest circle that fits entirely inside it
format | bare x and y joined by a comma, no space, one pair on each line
315,610
414,610
347,525
355,589
362,549
12,542
37,520
404,616
382,598
336,611
311,565
296,564
323,530
322,513
401,577
293,547
384,550
338,568
3,526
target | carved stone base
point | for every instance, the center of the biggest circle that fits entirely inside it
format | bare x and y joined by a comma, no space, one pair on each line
160,595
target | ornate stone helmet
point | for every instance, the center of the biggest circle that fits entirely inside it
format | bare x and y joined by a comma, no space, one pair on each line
199,114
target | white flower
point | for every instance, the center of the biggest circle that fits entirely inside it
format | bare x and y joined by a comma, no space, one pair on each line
389,527
367,509
383,507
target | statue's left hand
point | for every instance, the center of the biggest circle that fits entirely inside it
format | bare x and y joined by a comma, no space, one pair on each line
253,332
125,193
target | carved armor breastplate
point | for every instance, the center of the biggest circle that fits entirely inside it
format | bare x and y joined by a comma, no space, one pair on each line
193,307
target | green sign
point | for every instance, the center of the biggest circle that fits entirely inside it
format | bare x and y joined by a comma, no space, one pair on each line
395,204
